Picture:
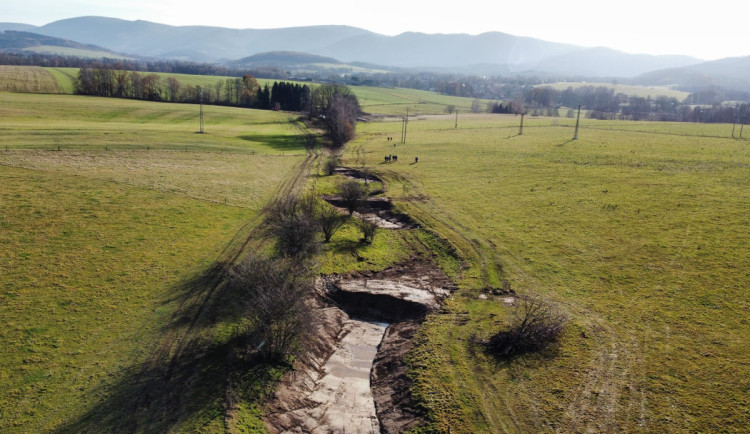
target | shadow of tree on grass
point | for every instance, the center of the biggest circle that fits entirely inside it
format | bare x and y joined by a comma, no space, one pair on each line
183,383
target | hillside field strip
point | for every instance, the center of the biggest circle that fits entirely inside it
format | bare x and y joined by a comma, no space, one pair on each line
375,100
104,244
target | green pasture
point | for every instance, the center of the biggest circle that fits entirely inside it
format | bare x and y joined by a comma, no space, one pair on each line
28,79
395,101
91,123
641,91
638,231
114,212
106,252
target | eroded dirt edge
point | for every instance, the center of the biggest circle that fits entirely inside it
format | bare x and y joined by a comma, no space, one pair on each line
350,307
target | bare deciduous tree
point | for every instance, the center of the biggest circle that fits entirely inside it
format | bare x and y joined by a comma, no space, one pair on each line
368,229
292,221
330,220
330,165
337,108
277,304
352,193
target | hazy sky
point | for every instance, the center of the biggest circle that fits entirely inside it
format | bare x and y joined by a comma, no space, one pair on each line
706,29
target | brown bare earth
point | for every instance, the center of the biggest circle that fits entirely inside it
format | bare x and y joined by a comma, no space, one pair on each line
389,384
353,376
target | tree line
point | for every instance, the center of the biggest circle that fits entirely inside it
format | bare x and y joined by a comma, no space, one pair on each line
243,91
601,102
140,65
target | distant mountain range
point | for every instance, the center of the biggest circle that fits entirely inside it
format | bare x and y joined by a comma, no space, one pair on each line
15,40
492,53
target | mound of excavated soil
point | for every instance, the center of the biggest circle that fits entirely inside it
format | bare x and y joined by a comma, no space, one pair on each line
379,210
391,388
357,174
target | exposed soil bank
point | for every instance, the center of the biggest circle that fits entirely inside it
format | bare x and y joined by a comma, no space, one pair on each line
352,378
389,385
414,280
357,174
378,210
329,390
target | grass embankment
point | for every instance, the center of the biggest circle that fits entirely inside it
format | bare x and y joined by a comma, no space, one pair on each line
639,231
110,257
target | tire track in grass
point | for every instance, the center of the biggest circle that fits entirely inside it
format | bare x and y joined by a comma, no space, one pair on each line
173,360
612,390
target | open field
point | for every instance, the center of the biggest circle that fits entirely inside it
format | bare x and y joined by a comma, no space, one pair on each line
642,91
32,79
639,231
395,101
73,122
107,257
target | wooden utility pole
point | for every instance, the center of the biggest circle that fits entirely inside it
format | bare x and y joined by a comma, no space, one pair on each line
456,119
406,121
578,118
200,101
520,129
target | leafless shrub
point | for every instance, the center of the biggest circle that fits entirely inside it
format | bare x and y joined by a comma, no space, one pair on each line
292,221
278,291
352,193
330,165
535,324
368,229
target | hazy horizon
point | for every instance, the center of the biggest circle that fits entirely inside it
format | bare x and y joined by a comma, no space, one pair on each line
659,28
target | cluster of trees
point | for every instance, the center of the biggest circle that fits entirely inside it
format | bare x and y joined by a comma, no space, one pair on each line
242,92
602,102
337,108
279,286
286,96
499,107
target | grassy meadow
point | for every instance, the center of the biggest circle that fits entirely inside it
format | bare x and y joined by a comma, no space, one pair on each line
30,79
639,231
107,248
641,91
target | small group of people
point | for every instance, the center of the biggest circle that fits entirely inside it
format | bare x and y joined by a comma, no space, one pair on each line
394,158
